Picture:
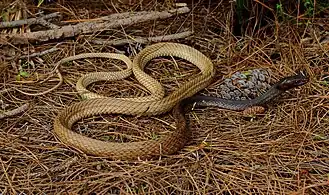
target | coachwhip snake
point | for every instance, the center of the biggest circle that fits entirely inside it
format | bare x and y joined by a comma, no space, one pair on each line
154,104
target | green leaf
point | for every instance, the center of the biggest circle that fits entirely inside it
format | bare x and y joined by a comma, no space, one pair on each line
24,74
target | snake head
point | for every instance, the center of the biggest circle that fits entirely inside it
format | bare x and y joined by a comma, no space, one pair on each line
292,81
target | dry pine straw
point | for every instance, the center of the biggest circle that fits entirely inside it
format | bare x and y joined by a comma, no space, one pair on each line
285,151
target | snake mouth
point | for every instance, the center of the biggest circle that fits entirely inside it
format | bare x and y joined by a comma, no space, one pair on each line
293,81
302,81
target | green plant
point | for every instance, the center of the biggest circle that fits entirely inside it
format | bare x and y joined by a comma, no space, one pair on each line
309,8
313,7
279,10
22,72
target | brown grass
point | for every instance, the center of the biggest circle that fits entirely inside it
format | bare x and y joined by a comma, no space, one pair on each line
283,152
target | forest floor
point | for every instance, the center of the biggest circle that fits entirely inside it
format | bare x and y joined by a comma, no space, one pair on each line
284,151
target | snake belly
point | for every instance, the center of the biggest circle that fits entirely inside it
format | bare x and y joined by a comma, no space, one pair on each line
154,104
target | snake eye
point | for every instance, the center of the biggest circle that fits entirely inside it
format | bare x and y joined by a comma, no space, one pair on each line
299,82
292,81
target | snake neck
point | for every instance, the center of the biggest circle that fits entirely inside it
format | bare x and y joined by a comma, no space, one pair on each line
237,105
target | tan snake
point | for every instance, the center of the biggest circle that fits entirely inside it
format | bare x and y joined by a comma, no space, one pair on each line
154,104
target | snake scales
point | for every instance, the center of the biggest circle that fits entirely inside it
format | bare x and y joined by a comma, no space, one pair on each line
154,104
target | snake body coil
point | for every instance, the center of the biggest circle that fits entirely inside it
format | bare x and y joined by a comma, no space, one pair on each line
154,104
150,105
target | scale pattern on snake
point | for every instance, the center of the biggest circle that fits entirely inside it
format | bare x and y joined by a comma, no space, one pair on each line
154,104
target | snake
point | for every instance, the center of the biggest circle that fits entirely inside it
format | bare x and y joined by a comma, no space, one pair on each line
154,104
273,92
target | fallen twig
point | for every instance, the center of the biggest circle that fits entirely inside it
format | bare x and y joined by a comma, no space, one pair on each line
143,40
86,27
39,20
41,53
15,111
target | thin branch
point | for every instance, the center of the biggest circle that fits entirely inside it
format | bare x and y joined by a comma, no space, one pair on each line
86,27
39,20
144,40
15,111
41,53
